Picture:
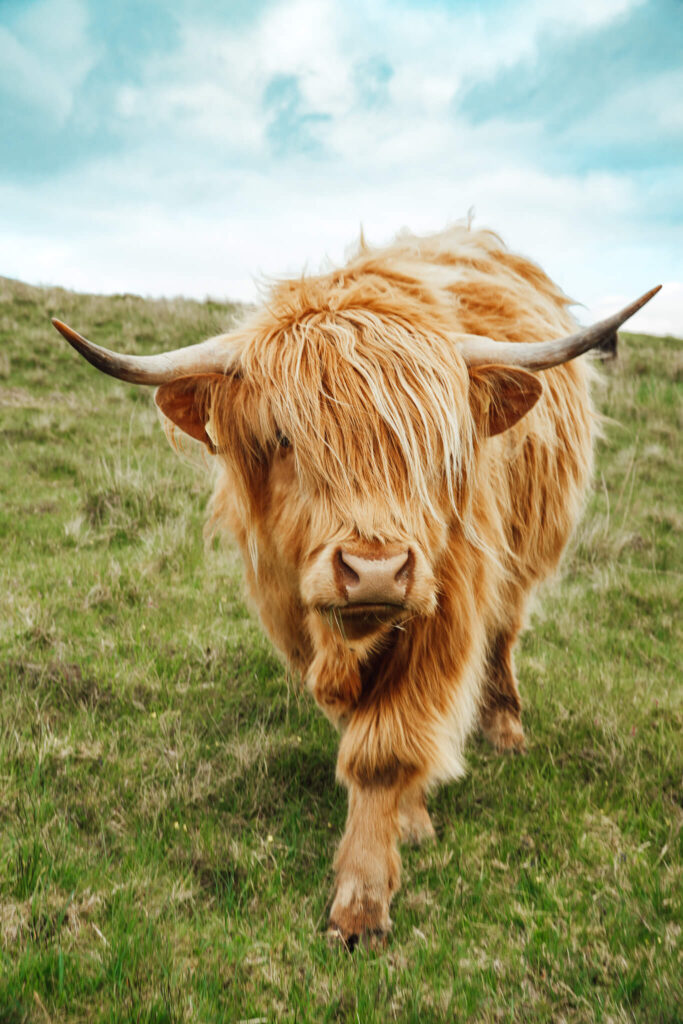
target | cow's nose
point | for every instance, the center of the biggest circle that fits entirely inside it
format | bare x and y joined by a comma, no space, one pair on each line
375,580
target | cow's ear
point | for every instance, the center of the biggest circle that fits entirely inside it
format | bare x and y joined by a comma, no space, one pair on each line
501,395
187,403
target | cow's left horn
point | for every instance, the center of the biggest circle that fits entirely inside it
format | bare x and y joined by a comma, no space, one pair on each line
541,355
212,356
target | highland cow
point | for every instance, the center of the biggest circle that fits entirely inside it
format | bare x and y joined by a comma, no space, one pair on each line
404,446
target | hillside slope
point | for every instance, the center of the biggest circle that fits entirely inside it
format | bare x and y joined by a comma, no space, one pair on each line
168,810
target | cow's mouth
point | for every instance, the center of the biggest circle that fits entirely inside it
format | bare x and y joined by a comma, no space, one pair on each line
358,620
379,611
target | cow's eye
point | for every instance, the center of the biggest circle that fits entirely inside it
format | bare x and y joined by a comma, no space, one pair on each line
283,441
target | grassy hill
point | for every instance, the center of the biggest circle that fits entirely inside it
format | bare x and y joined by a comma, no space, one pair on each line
168,810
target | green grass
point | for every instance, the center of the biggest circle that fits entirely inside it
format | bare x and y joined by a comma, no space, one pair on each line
168,810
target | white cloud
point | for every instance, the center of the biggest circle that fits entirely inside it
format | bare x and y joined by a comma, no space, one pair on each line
213,84
46,55
277,227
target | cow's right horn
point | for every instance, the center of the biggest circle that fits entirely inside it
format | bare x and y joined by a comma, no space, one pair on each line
212,356
541,355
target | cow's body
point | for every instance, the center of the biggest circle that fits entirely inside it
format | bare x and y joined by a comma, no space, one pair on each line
404,725
395,504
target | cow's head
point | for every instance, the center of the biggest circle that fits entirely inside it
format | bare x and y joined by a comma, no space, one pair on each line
348,439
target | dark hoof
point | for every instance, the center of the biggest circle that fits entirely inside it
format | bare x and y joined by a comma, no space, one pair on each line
373,940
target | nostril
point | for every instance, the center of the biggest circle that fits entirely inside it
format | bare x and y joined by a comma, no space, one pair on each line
349,576
403,575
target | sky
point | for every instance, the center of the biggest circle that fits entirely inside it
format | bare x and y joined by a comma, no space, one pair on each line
201,147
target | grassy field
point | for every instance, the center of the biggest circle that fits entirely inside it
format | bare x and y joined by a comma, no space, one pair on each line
168,810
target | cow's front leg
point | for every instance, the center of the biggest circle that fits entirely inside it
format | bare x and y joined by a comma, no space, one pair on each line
367,865
396,741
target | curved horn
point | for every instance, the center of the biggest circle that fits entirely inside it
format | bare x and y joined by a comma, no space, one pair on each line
541,355
212,356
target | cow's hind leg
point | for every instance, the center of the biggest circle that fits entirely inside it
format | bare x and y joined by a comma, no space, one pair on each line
414,823
501,708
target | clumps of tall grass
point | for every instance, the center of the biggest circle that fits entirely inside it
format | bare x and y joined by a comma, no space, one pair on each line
128,495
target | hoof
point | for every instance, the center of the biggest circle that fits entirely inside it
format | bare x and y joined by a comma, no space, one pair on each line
361,920
372,940
503,729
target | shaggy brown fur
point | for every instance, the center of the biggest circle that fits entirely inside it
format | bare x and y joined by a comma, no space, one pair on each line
348,421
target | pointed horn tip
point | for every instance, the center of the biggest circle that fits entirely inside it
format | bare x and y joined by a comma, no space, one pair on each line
636,306
64,329
651,294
